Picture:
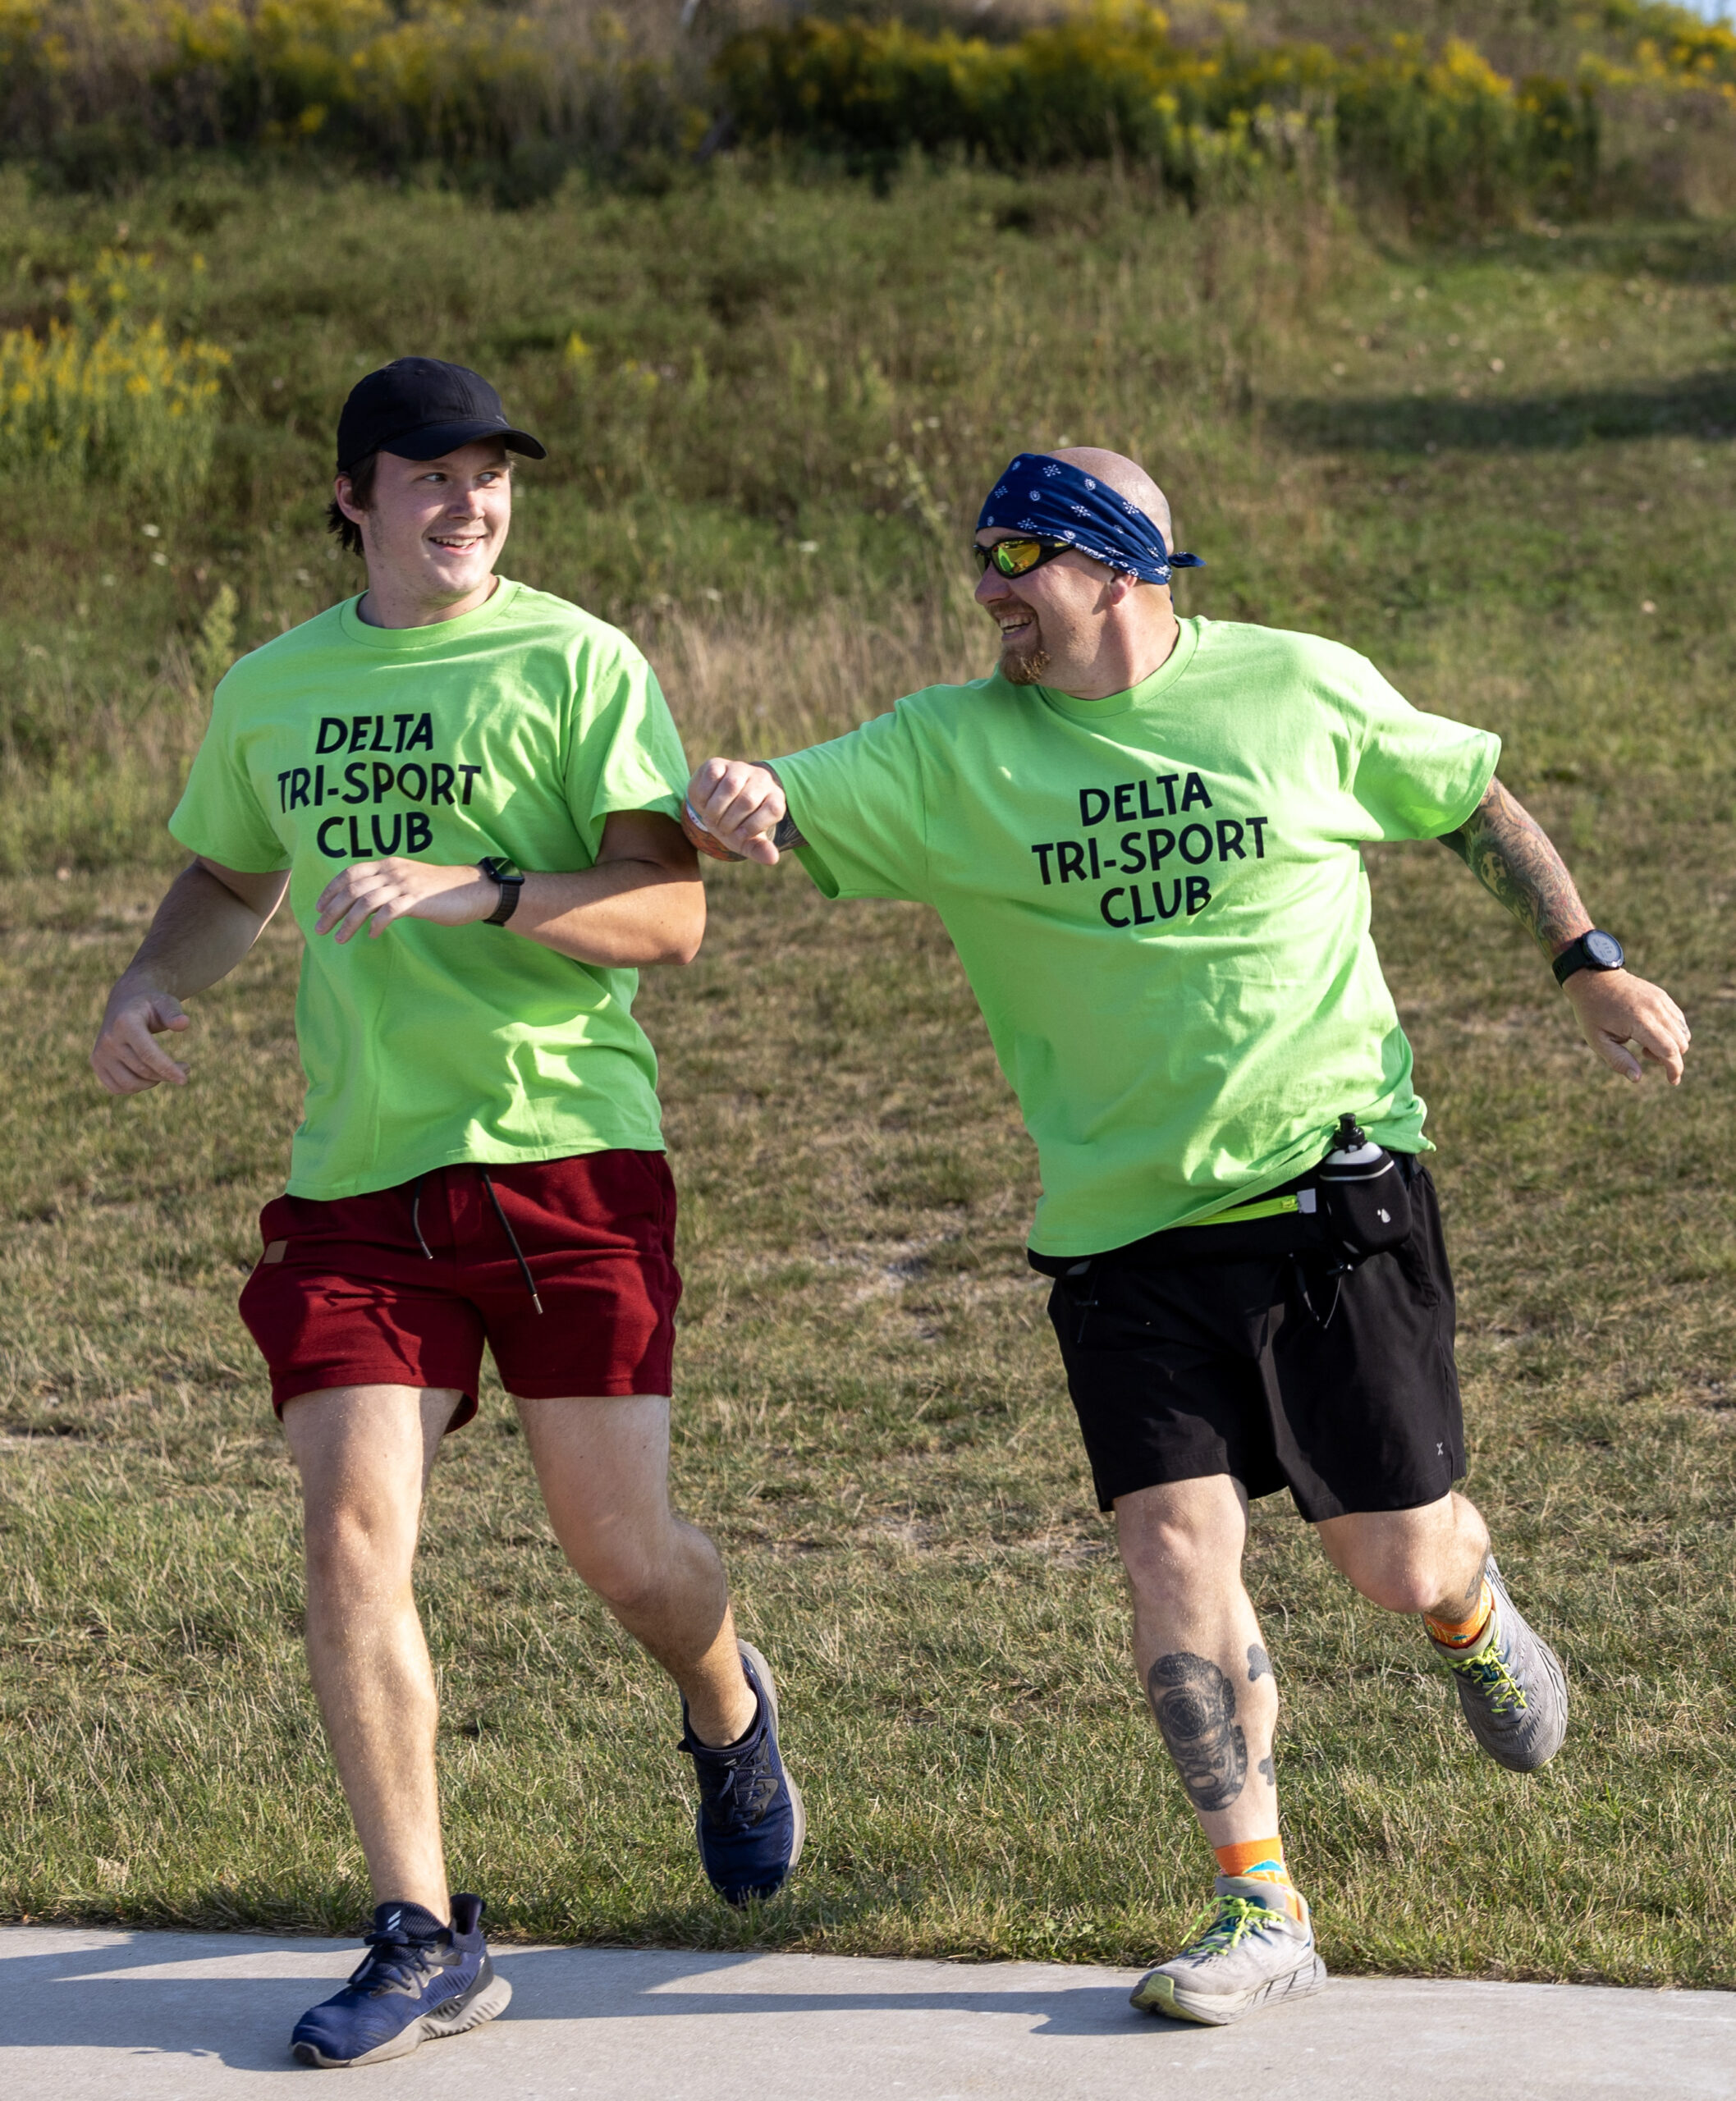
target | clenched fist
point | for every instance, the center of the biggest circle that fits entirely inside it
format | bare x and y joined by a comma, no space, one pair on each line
739,808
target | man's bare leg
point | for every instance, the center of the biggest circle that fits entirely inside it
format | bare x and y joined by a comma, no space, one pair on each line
1198,1648
1434,1560
603,1464
1211,1686
1429,1560
364,1454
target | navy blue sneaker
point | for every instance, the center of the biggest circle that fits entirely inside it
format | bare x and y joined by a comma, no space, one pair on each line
418,1979
751,1822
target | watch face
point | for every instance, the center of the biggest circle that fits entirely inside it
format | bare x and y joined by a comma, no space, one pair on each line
1603,950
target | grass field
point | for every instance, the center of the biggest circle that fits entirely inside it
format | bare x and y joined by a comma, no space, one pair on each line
1505,469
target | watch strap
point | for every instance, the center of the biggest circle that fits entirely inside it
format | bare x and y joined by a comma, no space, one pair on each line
511,885
1581,955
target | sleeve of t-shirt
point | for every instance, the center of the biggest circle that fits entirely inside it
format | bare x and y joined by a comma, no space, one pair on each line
219,816
627,753
857,803
1416,775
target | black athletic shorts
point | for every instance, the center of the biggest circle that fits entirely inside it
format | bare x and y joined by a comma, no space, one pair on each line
1182,1367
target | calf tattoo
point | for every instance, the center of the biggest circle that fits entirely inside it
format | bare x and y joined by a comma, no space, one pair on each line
1195,1707
1259,1663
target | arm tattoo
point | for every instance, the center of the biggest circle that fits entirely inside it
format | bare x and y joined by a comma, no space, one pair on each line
1510,855
1259,1663
1195,1707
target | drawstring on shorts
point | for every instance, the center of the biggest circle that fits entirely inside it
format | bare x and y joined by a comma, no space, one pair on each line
518,1252
512,1238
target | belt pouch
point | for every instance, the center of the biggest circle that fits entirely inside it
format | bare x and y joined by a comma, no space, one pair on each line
1366,1201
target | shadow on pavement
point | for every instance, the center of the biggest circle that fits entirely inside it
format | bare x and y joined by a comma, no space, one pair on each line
647,1986
136,1996
105,1998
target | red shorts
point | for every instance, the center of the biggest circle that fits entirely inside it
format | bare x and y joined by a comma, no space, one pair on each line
402,1286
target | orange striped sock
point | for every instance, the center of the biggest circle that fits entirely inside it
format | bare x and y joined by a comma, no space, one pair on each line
1464,1633
1261,1859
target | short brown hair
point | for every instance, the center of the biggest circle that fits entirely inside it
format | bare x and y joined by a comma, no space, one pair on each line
348,532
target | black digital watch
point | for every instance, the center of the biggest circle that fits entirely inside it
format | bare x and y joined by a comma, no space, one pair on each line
511,883
1595,951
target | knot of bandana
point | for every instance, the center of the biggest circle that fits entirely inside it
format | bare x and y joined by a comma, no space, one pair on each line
1052,500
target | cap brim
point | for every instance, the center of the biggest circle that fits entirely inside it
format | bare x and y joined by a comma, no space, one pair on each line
438,438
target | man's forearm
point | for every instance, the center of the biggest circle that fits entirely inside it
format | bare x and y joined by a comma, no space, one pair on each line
620,914
201,931
1511,856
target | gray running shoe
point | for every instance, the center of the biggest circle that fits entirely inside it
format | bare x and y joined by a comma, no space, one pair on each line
1512,1687
1253,1952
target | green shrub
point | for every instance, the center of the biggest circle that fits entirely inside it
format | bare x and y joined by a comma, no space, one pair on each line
97,89
1444,131
96,92
1451,131
105,394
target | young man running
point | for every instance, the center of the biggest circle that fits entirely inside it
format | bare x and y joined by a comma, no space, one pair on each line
468,790
1143,836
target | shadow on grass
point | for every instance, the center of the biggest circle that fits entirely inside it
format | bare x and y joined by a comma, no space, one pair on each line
1703,406
1680,252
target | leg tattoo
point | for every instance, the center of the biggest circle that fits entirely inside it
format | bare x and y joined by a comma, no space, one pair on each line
1266,1772
1259,1663
1195,1707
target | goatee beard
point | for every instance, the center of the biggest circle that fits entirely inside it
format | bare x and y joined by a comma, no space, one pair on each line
1024,667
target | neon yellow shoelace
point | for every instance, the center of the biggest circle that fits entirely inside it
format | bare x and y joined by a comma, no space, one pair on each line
1489,1674
1236,1918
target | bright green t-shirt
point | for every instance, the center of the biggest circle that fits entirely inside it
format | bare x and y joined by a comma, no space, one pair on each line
1160,903
516,730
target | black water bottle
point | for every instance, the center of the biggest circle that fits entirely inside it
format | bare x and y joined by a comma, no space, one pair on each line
1363,1193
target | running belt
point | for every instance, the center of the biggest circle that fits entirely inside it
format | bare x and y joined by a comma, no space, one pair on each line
1305,1201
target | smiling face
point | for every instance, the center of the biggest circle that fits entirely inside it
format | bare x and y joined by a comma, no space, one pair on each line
1048,618
1076,625
433,531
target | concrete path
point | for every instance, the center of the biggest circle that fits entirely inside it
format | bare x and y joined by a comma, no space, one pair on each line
185,2016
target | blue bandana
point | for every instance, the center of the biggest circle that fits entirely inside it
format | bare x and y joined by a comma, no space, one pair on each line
1052,500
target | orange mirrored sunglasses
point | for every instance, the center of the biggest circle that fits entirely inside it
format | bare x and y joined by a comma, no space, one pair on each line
1017,557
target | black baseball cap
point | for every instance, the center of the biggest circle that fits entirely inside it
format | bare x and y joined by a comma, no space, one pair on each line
420,408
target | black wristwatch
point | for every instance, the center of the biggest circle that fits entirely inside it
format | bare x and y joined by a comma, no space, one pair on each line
1595,951
511,883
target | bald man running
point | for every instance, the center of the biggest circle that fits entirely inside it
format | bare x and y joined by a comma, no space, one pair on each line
1143,835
